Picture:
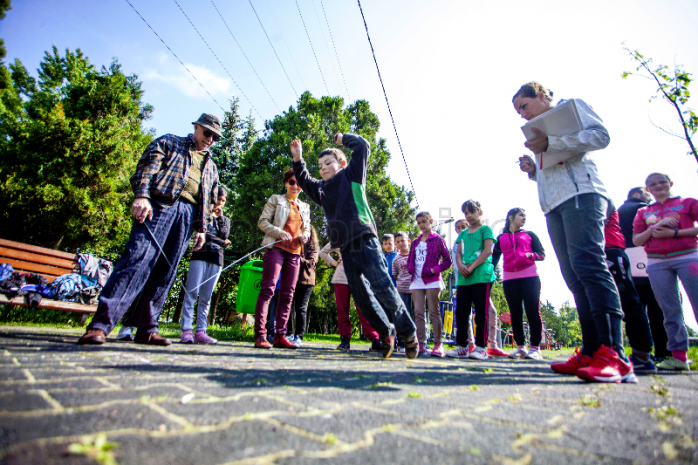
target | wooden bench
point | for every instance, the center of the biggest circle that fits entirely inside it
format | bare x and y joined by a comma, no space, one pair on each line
47,262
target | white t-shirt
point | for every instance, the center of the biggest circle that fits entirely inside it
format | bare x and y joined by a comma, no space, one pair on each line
420,256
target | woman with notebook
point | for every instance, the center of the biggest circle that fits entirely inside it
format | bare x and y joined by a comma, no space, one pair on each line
573,199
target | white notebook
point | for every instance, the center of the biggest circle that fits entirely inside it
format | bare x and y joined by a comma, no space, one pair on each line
563,120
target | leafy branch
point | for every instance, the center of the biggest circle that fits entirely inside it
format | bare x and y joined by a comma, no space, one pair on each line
673,88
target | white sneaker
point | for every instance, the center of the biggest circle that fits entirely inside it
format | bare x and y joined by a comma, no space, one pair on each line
520,352
479,353
534,354
457,352
125,334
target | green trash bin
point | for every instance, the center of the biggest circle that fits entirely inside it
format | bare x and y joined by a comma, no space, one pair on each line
248,289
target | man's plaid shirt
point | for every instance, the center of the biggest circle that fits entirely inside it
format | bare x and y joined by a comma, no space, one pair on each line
163,170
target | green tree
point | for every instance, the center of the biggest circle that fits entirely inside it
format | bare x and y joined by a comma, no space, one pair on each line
68,145
4,6
673,87
314,121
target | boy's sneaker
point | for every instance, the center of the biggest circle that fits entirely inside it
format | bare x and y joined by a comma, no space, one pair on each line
412,349
202,338
344,344
607,367
479,353
641,367
520,352
576,361
298,340
389,342
458,352
187,337
471,347
497,352
376,346
534,354
438,351
125,334
671,363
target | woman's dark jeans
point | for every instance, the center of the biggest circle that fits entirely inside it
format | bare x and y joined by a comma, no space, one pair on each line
576,231
299,308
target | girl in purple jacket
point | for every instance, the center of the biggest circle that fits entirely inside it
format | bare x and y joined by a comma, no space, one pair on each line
428,258
521,249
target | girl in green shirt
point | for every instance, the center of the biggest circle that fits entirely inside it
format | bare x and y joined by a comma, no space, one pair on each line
475,278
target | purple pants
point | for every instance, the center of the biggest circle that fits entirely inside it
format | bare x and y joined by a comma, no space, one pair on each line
285,265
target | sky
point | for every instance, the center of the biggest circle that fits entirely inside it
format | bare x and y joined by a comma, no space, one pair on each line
450,69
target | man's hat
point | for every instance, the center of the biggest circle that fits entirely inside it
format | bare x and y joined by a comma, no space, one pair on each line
210,122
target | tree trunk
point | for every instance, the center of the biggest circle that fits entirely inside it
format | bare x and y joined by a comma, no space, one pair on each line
180,305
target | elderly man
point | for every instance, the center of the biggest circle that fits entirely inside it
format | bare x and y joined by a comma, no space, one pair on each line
175,183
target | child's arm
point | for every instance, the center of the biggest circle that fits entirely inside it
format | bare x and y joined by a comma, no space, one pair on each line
497,253
461,268
484,255
309,185
537,252
361,150
446,262
326,257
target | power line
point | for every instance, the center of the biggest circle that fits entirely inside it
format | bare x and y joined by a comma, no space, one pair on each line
335,49
272,47
175,55
313,48
388,103
285,43
243,54
324,39
219,61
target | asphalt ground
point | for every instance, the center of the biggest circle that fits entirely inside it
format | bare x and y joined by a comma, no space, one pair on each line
124,403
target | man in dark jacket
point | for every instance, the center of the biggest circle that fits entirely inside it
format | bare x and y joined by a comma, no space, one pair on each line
174,183
638,197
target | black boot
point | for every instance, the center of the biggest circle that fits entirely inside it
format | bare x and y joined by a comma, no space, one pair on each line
344,343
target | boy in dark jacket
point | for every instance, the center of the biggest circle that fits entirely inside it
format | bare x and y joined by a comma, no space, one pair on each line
342,194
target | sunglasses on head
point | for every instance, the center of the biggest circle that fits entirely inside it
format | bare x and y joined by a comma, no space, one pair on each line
208,133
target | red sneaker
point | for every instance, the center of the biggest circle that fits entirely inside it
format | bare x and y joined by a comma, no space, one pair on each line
497,352
280,342
608,367
260,342
570,367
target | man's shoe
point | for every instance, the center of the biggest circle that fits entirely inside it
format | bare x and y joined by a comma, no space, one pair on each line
412,349
575,362
497,352
534,354
389,342
153,339
187,337
640,367
345,344
607,367
671,363
479,353
93,337
280,342
457,352
203,338
125,334
260,342
376,346
520,352
438,351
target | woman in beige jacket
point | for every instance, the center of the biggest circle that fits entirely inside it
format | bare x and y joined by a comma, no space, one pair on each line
285,219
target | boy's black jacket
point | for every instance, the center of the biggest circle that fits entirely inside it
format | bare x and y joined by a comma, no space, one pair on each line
344,196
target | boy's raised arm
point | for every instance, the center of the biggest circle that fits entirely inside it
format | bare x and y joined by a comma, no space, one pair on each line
361,150
308,184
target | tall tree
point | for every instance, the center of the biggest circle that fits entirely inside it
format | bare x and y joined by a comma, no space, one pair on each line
68,145
4,6
673,88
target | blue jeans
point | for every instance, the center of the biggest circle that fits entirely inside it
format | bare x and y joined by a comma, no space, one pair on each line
199,272
373,290
142,267
576,231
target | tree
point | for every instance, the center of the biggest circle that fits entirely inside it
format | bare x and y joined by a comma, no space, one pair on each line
68,145
4,6
673,87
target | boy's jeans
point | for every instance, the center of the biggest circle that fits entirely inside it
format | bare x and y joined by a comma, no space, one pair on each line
576,231
367,273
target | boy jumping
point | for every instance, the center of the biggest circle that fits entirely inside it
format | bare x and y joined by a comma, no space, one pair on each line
342,195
